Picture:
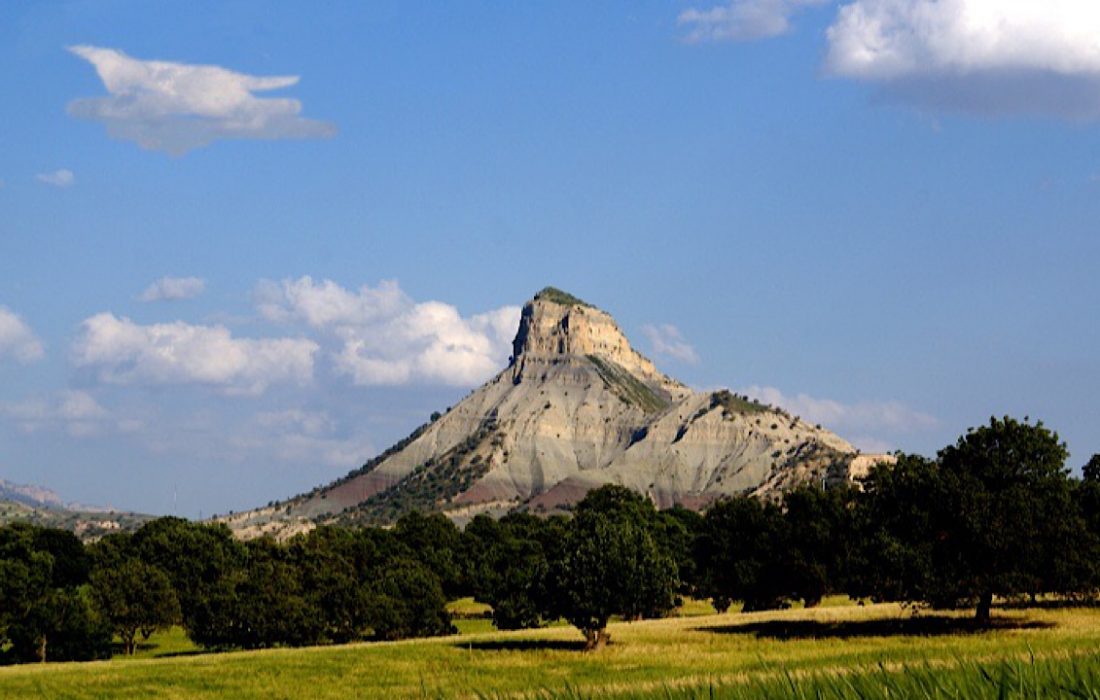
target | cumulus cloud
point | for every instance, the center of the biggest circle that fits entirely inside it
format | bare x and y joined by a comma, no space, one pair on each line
57,178
666,340
173,289
76,412
981,56
17,340
742,20
123,352
176,107
870,416
381,336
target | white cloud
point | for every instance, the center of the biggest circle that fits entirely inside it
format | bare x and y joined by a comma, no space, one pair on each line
325,303
742,20
57,178
123,352
75,412
384,337
176,107
17,340
173,288
667,341
892,416
982,56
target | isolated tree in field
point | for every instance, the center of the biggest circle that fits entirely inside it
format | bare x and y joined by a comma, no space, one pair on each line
134,598
992,515
1009,494
612,565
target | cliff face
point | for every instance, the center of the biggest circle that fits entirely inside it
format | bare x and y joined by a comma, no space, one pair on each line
576,408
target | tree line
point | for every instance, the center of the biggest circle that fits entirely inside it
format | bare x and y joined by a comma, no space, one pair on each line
995,514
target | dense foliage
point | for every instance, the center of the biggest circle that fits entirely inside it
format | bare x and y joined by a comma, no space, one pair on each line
996,514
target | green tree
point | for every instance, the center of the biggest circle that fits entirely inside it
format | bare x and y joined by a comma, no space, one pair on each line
819,534
509,570
612,565
329,560
993,515
435,541
740,554
405,599
61,626
900,527
198,558
1009,495
134,597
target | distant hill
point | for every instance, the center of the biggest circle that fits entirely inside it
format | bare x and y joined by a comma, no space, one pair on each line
42,506
577,407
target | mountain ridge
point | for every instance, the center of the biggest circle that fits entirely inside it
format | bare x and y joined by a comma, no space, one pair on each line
576,407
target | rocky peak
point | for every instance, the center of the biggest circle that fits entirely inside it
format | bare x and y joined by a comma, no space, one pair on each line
556,325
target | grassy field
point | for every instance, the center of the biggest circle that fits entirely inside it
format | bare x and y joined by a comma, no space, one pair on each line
873,651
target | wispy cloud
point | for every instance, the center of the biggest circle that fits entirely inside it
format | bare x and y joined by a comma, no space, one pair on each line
123,352
176,107
665,340
75,412
297,435
379,335
173,289
57,178
978,56
17,340
742,20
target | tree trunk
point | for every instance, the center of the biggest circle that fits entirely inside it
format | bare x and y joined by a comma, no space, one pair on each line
984,605
596,639
42,649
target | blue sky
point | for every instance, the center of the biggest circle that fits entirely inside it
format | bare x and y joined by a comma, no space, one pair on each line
880,213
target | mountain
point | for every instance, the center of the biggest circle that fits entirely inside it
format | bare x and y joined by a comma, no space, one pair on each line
41,506
29,495
577,407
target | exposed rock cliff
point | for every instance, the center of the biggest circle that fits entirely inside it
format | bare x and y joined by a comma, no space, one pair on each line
576,408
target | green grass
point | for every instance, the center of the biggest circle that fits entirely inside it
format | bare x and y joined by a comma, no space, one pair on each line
874,651
170,642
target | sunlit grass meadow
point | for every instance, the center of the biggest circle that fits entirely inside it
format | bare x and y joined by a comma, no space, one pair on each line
830,652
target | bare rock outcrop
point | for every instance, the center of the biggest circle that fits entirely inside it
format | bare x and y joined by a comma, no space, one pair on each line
576,408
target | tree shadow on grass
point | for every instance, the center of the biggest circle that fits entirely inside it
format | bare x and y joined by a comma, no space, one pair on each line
1049,604
177,654
919,626
523,645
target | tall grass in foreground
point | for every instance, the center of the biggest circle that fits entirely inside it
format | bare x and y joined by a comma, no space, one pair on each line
1007,680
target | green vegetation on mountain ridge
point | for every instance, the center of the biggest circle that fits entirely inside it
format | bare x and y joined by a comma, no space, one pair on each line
557,296
628,387
431,484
